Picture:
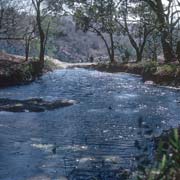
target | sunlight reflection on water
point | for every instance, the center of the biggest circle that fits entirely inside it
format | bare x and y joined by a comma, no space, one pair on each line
97,136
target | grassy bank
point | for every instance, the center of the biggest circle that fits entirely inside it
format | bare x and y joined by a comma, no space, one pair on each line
12,73
162,74
15,70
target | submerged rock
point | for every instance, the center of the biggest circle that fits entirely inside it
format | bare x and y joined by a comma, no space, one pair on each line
32,105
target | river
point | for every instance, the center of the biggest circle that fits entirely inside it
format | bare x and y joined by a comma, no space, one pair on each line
97,137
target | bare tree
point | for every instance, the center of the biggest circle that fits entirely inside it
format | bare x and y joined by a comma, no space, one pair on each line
16,23
9,18
28,37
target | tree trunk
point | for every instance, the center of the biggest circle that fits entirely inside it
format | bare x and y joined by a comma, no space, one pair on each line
154,57
27,50
27,47
42,49
165,35
138,56
112,58
178,51
42,37
167,48
109,49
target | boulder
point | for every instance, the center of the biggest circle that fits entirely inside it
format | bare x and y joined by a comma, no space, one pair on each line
33,105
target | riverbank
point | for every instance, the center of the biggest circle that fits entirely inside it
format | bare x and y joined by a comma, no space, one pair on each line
53,64
151,72
15,70
161,74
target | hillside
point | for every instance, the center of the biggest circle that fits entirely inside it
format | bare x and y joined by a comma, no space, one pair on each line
67,43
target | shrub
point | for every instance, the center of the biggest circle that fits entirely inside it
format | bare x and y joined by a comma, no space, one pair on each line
150,67
167,166
167,69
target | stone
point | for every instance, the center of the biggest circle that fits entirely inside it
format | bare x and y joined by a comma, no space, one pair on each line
33,105
149,83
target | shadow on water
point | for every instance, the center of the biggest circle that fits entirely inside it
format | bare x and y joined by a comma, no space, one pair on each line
107,135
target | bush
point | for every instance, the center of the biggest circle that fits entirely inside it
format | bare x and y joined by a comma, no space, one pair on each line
167,69
150,67
167,166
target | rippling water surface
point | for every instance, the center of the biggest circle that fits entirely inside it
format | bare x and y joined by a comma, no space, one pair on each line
94,138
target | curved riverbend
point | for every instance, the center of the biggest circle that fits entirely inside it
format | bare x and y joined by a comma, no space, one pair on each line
93,138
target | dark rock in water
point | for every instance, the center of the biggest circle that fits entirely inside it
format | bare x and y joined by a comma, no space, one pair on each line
149,132
110,108
32,105
54,148
137,144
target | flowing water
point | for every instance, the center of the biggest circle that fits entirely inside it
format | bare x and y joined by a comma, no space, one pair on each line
116,115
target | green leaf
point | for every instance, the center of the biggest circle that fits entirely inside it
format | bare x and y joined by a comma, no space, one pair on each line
176,135
174,143
163,162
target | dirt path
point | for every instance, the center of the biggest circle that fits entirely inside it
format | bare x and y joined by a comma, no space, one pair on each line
65,65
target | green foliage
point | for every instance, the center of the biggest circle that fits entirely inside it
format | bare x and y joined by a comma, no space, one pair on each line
51,50
49,65
125,52
99,17
34,49
167,166
150,67
166,69
99,14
